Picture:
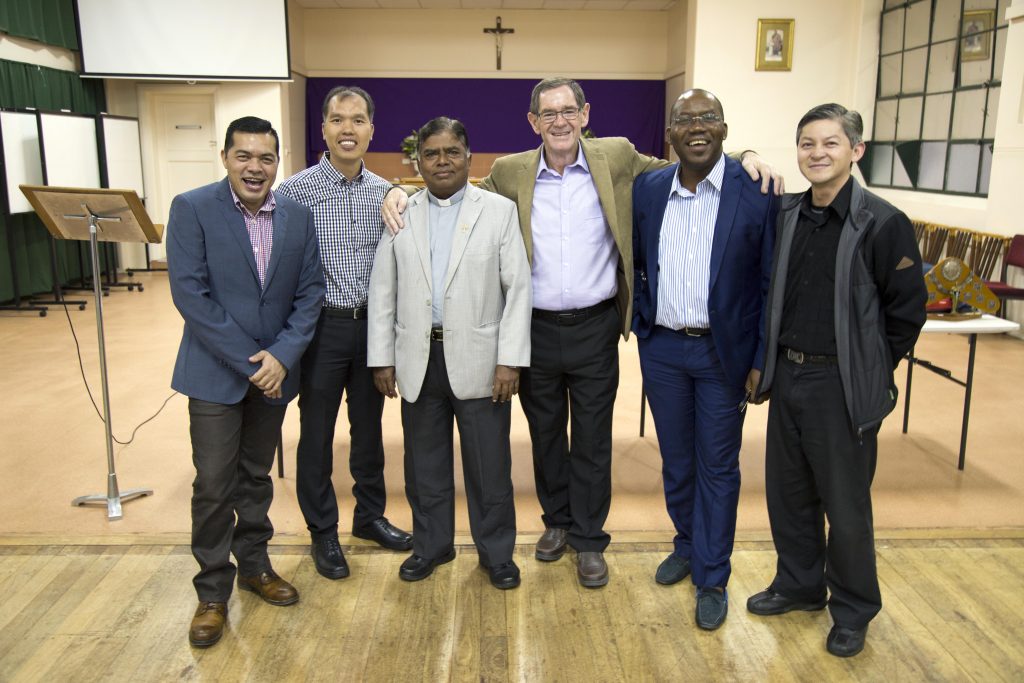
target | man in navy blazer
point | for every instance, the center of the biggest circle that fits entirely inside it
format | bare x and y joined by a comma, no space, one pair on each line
702,245
245,275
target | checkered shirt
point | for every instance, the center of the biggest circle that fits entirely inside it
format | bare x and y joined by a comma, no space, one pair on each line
346,214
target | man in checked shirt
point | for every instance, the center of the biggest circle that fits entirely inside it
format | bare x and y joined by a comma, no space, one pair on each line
345,200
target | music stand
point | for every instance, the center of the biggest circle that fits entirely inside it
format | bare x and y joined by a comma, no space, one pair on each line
76,214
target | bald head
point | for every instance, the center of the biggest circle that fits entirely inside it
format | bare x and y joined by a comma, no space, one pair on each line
706,97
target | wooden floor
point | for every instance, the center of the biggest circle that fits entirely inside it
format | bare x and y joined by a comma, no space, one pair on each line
121,612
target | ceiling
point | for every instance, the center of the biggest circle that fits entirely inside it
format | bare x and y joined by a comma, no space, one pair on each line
605,5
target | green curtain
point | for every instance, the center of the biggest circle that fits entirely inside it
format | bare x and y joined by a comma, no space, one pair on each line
47,21
28,85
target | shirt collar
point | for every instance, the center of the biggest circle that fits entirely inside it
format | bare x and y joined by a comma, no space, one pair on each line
840,204
581,161
714,177
451,201
336,177
269,204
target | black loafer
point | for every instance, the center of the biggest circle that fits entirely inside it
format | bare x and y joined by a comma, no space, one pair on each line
417,568
385,534
846,642
768,603
328,558
504,575
673,569
712,608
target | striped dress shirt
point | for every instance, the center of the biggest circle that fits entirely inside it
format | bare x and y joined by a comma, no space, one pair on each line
260,227
684,251
346,215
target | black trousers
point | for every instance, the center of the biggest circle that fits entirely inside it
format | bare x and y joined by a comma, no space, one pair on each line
335,364
817,468
232,450
486,466
573,375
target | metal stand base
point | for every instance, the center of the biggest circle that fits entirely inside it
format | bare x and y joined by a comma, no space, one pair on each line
113,499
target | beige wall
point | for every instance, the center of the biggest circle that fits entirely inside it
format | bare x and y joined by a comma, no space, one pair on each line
451,43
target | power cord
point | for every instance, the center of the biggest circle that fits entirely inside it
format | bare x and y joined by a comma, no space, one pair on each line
88,390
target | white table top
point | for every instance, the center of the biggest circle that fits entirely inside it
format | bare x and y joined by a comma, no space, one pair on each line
986,324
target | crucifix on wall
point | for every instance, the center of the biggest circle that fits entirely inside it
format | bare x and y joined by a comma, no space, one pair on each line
499,38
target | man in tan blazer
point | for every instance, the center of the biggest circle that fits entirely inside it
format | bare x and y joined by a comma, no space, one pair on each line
449,323
575,203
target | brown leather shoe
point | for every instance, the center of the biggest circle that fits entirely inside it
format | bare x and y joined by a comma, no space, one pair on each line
271,587
551,545
591,569
208,623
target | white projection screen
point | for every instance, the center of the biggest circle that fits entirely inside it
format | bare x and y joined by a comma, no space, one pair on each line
122,154
184,39
70,152
21,157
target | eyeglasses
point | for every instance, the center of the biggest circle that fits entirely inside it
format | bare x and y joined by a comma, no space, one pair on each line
707,118
569,114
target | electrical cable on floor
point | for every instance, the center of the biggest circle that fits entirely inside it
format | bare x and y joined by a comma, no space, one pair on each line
81,367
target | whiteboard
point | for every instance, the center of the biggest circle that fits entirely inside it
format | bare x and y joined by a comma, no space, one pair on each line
122,154
21,158
191,39
70,152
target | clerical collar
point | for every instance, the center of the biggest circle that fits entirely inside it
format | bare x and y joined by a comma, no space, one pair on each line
454,199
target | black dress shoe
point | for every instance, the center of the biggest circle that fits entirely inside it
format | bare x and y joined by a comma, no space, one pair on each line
846,642
384,533
504,575
768,603
712,608
328,558
417,568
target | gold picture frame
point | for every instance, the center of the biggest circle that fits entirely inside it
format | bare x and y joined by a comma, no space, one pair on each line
976,35
773,49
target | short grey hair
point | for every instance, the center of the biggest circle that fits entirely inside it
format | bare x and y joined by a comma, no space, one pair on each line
551,84
851,121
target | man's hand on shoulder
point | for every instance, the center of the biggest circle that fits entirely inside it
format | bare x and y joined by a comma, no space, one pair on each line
392,209
759,169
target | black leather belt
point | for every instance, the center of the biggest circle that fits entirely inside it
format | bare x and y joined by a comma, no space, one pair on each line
574,316
800,358
695,331
436,334
347,313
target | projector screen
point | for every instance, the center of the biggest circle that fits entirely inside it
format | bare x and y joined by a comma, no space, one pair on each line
122,154
19,131
70,154
184,39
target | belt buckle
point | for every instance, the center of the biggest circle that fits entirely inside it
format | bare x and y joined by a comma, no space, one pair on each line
688,333
795,356
566,318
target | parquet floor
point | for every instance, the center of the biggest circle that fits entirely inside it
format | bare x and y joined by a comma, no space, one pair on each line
121,612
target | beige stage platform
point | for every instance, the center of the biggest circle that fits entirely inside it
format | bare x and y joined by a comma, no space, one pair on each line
53,441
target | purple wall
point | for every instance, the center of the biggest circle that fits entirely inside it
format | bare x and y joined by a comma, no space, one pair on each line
493,110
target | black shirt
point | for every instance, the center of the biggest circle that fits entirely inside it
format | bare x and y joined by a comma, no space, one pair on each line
808,312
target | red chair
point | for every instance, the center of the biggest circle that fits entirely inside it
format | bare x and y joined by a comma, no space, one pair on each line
1014,257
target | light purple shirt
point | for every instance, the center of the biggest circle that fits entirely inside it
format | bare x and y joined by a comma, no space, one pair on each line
574,255
260,227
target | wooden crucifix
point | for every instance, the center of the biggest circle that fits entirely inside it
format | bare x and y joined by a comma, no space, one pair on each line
499,37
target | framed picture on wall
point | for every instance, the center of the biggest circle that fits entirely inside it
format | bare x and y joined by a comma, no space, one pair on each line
774,48
976,30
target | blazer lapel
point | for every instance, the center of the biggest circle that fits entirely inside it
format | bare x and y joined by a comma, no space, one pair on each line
419,217
524,197
602,175
469,212
656,202
726,217
280,217
236,226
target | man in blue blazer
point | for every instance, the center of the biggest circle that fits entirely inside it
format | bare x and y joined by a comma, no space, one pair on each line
245,275
702,245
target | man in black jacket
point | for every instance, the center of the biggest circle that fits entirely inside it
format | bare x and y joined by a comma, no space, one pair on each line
846,303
